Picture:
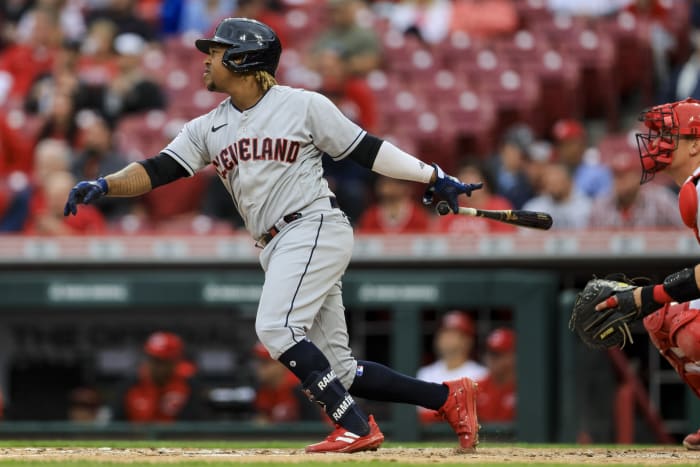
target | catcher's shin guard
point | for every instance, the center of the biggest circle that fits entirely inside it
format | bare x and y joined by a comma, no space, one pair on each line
675,331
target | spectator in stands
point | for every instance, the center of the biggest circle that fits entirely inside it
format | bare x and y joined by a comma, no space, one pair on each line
684,81
123,14
278,395
540,155
164,391
428,20
453,346
590,177
472,171
359,47
569,208
628,206
69,13
48,219
395,211
484,18
354,98
30,56
59,121
662,41
25,195
509,166
496,401
100,156
588,8
97,64
202,16
84,405
15,149
130,91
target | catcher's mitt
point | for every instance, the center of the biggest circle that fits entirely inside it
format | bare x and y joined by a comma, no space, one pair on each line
609,327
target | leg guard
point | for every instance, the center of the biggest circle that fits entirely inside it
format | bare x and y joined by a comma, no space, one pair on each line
325,388
675,331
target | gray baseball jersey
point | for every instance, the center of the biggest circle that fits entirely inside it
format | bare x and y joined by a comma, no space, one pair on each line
268,156
269,159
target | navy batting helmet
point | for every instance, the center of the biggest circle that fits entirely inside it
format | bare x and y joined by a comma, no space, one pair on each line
252,45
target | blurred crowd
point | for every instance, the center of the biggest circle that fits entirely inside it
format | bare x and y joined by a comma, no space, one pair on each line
530,96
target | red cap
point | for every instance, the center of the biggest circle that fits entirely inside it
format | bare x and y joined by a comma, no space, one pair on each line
625,161
501,340
261,352
566,129
164,345
458,320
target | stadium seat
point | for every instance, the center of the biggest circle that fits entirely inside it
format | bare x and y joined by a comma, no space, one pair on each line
559,78
633,54
474,117
595,52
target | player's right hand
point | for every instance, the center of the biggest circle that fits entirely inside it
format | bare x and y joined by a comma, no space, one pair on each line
83,193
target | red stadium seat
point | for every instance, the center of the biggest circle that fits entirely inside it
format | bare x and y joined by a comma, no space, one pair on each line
633,63
559,77
474,117
595,53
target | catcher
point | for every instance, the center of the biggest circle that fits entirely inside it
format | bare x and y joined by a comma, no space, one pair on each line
671,310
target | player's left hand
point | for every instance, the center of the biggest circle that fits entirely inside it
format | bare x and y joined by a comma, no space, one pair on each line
604,311
448,188
84,192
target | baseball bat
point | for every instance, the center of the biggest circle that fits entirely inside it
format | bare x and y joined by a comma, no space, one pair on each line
519,217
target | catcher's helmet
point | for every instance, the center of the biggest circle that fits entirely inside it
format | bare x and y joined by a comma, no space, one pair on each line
666,124
252,45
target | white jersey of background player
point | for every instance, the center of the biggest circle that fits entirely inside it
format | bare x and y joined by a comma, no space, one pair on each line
266,142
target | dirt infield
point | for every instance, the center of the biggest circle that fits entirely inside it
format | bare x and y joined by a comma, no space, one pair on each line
486,455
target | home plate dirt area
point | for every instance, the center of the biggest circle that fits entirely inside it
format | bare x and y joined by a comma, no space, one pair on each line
657,455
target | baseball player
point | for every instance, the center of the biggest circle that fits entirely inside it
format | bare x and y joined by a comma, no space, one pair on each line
671,310
265,142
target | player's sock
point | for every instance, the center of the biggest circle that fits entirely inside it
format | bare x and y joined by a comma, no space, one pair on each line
322,385
380,383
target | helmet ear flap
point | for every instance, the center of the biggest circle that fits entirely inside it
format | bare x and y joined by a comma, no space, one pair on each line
232,60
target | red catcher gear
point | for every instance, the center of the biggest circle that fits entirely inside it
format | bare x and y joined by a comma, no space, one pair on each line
666,124
675,331
164,345
688,203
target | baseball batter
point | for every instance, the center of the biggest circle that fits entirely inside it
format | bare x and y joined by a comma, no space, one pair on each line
266,142
671,310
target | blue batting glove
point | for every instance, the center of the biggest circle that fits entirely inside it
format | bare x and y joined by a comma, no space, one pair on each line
84,193
448,188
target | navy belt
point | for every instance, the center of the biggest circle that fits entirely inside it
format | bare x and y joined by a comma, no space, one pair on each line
282,223
275,229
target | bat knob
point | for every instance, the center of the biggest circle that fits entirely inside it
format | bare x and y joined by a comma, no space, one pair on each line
442,208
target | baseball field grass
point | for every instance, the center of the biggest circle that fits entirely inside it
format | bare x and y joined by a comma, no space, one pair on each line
103,453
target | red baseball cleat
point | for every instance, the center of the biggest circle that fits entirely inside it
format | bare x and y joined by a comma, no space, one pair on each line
342,440
460,411
692,441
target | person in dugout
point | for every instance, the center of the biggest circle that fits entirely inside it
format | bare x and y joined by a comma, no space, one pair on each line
163,391
278,392
496,400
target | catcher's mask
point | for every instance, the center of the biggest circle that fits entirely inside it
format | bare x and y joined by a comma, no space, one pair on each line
666,124
252,45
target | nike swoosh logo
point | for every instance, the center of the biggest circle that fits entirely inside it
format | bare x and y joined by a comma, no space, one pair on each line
214,129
